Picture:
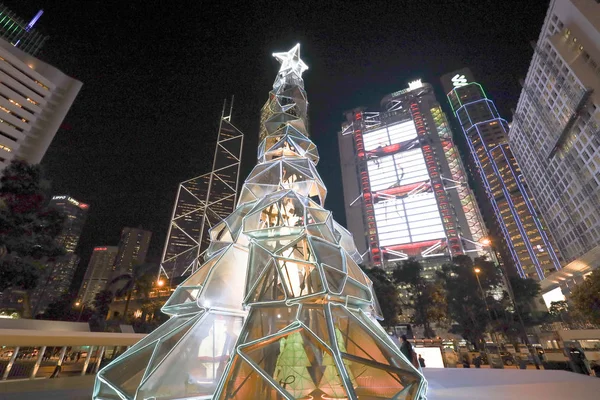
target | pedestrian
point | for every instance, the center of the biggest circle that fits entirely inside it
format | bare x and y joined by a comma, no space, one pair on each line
407,349
595,366
466,363
477,361
421,361
578,360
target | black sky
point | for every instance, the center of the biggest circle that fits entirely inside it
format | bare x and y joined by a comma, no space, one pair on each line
155,74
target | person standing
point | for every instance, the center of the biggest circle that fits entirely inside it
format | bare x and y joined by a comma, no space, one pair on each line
578,360
421,361
407,349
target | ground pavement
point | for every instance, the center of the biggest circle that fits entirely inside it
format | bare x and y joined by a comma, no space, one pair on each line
444,384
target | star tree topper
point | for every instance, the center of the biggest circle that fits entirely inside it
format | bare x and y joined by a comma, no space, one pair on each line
291,62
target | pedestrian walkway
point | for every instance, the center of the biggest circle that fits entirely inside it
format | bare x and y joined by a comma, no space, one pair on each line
503,384
72,388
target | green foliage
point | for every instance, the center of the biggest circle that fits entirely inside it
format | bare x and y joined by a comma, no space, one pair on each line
140,280
466,305
387,295
27,228
586,297
525,291
61,309
101,306
426,299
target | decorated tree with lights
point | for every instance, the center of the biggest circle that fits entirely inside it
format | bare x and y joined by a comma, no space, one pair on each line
301,314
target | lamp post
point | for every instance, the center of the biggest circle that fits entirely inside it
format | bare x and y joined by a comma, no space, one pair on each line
77,304
492,335
511,294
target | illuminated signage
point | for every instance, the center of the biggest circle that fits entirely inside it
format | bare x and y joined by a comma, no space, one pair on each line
71,200
100,248
459,80
415,84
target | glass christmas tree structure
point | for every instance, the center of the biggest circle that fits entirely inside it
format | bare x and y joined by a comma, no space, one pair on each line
280,308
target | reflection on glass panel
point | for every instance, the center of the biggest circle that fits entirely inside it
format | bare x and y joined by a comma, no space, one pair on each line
197,362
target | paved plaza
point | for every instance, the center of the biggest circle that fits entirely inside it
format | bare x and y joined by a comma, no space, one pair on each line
444,384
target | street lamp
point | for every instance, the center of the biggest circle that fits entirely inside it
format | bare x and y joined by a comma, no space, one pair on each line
512,298
160,283
477,272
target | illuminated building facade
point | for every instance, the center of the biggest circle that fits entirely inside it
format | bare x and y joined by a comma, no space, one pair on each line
133,248
280,308
526,244
97,274
34,99
58,275
201,203
405,188
555,134
20,33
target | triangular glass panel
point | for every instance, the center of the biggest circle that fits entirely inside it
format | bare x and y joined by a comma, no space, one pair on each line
321,231
246,196
183,301
266,321
319,216
298,250
268,288
301,279
105,392
313,318
224,286
168,342
380,382
244,382
336,279
127,373
328,253
197,362
356,290
356,273
259,259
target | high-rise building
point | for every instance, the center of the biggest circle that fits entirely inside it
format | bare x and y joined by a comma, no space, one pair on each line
57,276
555,133
98,273
20,33
34,99
203,202
525,244
405,188
133,248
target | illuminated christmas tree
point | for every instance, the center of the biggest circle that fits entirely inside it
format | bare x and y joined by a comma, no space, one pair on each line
280,308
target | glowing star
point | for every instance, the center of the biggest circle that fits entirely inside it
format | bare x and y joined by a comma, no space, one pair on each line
291,61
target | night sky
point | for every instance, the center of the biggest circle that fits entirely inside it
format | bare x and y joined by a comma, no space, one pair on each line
155,74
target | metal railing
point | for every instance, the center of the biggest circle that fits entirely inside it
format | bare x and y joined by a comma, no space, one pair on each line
28,354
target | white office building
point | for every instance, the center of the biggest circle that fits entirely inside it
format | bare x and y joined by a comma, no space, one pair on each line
555,134
34,99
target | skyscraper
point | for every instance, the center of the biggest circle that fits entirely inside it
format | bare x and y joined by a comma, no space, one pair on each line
405,188
526,245
555,133
97,274
20,33
57,275
202,202
133,248
34,99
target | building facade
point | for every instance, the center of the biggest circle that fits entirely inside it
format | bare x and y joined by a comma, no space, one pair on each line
58,275
97,274
20,33
555,133
201,203
34,99
405,188
525,243
133,248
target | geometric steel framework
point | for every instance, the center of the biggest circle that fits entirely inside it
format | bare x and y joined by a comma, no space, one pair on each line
280,308
201,203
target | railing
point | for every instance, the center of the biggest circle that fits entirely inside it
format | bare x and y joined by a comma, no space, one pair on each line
26,354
